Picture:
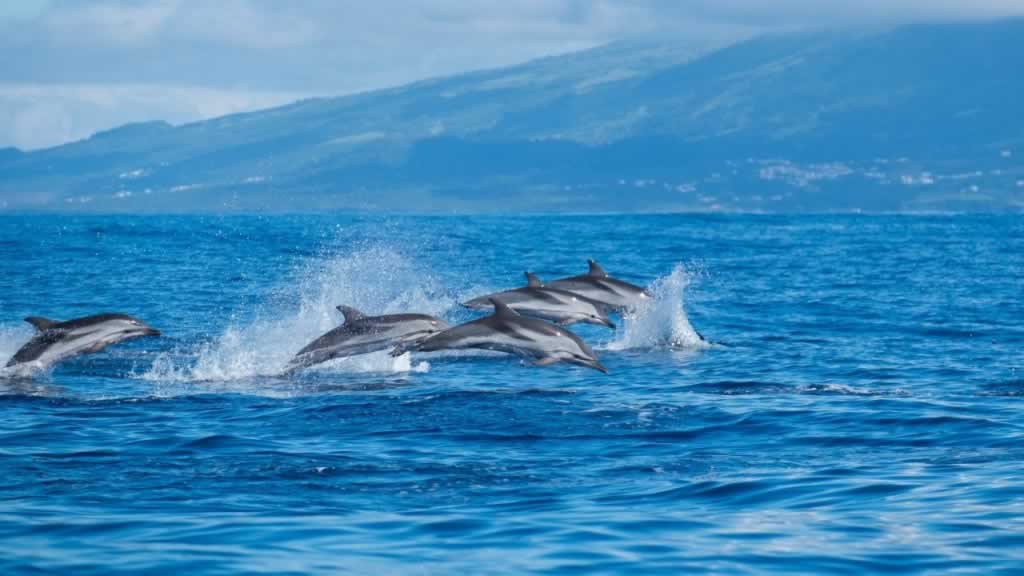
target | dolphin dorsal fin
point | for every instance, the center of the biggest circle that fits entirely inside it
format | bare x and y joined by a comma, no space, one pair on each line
351,314
596,270
41,324
502,309
532,281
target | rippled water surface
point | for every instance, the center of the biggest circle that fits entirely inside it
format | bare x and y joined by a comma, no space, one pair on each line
861,408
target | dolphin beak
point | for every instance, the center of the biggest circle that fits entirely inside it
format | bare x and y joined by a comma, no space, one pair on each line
606,322
590,363
151,332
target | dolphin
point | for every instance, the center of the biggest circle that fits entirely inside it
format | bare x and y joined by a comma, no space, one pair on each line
598,286
362,334
57,341
507,331
551,304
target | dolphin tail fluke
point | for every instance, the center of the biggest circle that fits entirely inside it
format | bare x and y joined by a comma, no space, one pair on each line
300,361
292,367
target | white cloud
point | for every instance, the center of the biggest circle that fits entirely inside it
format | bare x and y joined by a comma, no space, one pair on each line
118,23
125,23
810,13
82,66
38,115
242,23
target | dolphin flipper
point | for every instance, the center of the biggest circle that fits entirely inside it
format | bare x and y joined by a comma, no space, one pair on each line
402,349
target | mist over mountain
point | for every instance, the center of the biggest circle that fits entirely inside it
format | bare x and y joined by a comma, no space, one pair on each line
917,118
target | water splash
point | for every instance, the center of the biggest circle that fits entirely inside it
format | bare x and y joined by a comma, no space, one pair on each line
662,321
377,279
13,337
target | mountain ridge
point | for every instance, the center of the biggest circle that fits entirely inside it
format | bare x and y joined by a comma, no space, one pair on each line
835,121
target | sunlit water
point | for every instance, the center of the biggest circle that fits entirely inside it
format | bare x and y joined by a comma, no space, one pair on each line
860,408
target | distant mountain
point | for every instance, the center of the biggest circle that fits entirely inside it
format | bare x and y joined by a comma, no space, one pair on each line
919,118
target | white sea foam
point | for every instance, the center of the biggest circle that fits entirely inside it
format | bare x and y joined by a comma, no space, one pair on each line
13,337
377,280
661,321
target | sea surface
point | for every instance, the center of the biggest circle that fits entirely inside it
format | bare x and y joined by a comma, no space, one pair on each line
859,409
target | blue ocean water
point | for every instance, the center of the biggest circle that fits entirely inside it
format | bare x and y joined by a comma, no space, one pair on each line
860,408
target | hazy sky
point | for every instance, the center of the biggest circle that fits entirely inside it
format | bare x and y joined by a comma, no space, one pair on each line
72,67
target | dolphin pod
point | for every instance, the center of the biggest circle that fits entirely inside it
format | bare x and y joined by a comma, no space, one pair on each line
526,322
520,325
508,331
559,306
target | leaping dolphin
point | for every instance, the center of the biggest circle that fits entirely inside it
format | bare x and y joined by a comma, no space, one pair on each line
57,341
362,334
558,306
598,286
507,331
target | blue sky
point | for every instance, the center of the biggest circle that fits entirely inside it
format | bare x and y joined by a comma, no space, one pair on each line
72,67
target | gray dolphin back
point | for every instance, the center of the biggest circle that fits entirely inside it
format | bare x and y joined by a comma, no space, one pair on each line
548,303
35,347
350,313
55,341
507,331
362,334
41,323
597,285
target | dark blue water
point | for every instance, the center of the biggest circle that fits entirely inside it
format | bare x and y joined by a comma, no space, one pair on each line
861,410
